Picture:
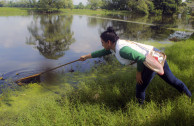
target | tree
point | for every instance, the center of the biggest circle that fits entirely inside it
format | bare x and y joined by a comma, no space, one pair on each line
68,3
53,5
32,3
51,35
141,6
168,7
95,4
80,6
115,4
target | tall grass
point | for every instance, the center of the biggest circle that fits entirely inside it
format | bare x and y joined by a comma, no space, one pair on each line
105,96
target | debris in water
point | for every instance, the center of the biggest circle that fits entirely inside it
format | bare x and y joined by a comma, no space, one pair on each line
1,78
72,70
179,35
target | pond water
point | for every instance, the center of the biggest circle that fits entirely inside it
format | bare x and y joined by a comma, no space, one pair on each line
28,44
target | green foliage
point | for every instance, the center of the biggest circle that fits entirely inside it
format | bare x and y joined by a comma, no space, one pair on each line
55,37
157,7
144,6
50,5
79,6
21,3
67,3
168,7
150,5
47,6
141,6
95,4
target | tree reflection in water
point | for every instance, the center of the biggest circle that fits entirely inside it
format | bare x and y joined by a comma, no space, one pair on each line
51,35
141,28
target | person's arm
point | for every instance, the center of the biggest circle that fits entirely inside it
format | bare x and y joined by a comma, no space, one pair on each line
95,54
84,57
131,54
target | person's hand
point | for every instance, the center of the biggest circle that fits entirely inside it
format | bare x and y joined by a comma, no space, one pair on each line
83,58
139,78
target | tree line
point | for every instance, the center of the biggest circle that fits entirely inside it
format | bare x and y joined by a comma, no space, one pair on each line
166,7
39,5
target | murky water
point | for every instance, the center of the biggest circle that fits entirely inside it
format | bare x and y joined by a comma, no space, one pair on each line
30,43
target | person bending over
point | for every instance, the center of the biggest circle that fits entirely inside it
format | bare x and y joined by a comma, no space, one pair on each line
126,53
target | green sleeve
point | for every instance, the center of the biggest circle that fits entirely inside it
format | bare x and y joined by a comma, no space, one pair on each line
131,54
100,53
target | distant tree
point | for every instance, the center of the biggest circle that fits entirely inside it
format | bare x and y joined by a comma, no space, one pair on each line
53,5
141,6
67,3
167,6
115,4
95,4
80,6
70,4
32,3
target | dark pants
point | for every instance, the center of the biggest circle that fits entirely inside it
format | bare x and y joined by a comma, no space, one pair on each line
148,75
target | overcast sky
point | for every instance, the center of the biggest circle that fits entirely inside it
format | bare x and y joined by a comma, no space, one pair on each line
76,2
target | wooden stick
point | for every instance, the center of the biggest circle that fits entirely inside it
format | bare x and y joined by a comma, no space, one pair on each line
19,81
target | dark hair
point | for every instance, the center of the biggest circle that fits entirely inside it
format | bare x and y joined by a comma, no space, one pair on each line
109,34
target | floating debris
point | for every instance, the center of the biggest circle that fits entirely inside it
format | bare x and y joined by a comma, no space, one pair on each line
179,35
17,73
71,70
1,78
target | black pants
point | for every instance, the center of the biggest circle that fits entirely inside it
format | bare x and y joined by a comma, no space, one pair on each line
148,75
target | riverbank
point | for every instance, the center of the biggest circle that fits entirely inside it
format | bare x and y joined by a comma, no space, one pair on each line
105,96
8,11
92,12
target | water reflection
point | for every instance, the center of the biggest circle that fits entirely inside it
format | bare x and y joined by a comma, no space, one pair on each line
133,31
143,28
51,35
61,39
165,21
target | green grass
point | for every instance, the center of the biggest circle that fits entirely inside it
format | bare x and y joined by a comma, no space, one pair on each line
91,12
105,96
8,11
177,29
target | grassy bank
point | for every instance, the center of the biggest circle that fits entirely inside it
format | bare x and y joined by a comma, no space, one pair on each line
8,11
105,96
91,12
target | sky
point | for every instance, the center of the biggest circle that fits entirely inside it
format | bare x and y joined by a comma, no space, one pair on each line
76,2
